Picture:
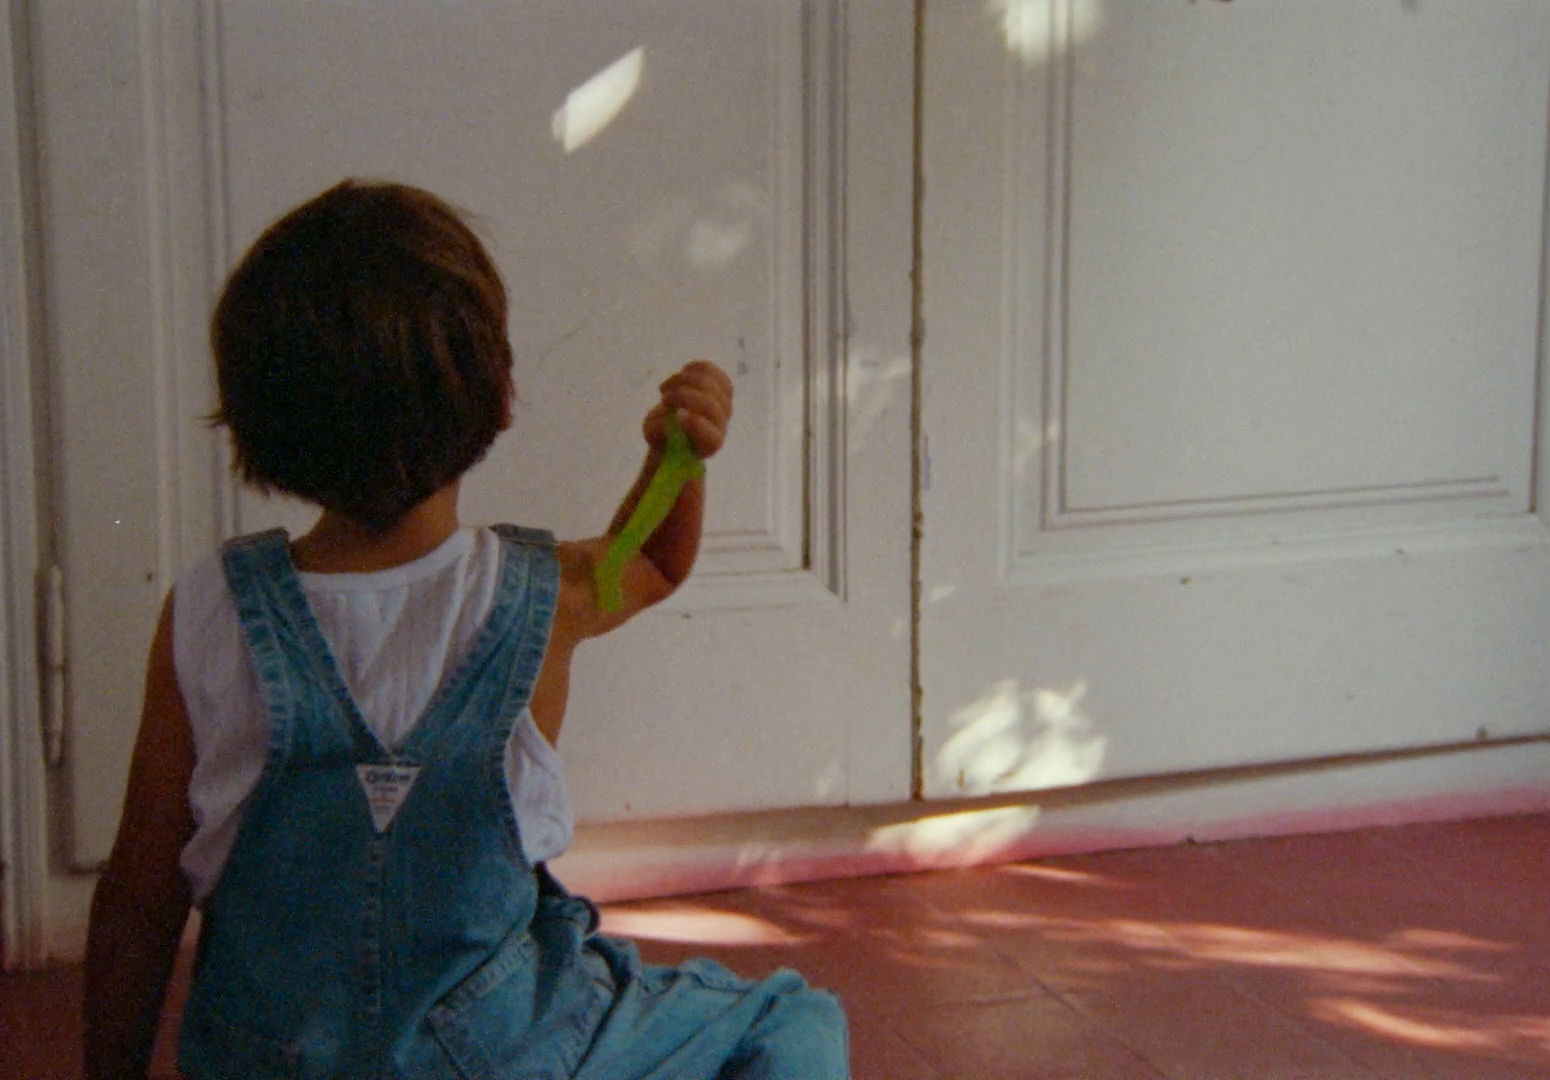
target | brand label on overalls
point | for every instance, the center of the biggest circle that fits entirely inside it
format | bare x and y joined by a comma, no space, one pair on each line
386,787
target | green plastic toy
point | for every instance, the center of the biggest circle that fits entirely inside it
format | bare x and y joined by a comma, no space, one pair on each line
678,466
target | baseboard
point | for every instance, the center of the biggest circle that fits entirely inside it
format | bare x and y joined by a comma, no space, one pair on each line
633,860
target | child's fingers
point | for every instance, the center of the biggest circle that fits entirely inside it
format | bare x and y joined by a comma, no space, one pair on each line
705,435
705,425
694,400
654,427
695,397
704,369
700,397
705,376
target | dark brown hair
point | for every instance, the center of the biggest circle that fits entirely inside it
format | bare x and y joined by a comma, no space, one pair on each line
361,353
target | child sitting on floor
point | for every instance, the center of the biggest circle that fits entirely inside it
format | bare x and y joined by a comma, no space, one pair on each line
345,757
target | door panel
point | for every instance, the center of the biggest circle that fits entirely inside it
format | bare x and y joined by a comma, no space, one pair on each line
657,183
657,240
104,296
1232,322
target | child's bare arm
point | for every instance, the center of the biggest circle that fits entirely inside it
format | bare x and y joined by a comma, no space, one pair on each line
142,898
700,398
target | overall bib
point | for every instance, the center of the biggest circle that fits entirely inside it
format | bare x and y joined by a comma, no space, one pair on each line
377,918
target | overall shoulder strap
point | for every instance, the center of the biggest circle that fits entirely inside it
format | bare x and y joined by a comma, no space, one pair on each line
521,534
252,564
494,680
531,571
255,551
289,655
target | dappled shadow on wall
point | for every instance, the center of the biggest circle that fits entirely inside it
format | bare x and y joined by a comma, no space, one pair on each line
1009,741
596,103
1035,30
1013,740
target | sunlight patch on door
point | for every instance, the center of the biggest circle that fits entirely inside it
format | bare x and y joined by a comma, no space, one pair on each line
875,381
715,243
1030,26
703,233
1021,740
596,103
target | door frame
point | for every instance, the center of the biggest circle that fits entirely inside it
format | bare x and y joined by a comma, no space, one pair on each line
24,834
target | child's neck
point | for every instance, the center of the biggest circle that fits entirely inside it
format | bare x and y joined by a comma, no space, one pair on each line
338,545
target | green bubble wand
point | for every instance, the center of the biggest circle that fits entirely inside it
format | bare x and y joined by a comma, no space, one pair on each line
678,466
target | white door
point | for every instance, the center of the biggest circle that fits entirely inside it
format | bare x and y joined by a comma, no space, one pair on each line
1232,383
658,182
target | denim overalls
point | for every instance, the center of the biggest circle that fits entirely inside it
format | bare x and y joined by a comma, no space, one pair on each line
377,917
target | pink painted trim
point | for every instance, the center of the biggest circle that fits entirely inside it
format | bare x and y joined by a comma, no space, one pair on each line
1455,807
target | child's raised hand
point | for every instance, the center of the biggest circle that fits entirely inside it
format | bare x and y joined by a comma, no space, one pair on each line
700,396
650,547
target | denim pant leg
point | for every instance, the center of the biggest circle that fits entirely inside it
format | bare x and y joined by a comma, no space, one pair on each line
698,1021
801,1036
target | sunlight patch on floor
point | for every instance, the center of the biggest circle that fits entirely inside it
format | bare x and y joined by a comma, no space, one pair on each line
1520,1038
1063,876
1190,944
694,925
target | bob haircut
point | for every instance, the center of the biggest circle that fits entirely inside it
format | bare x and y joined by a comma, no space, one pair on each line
361,353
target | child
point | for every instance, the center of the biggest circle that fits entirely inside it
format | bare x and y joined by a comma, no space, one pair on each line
345,752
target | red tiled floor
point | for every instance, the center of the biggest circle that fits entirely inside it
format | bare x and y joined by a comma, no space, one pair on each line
40,1025
1417,953
1203,1027
1035,1035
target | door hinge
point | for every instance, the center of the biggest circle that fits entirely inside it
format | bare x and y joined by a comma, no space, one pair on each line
52,638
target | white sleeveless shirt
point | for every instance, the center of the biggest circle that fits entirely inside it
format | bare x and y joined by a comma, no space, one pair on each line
395,635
